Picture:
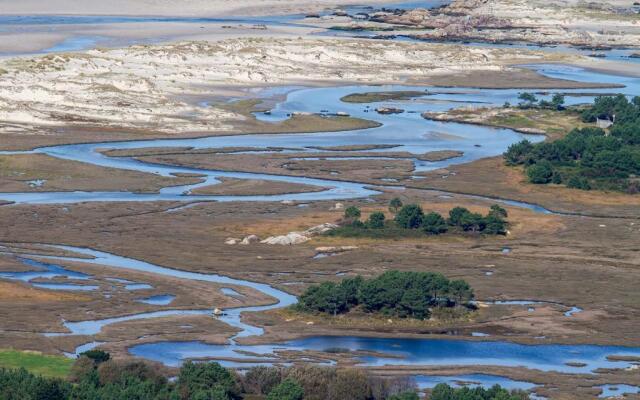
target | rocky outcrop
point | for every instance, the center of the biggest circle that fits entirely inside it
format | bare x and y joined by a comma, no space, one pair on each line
293,238
232,241
334,249
247,240
580,24
250,240
287,240
389,110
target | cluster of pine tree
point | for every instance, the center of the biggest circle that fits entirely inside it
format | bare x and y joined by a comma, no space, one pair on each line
402,294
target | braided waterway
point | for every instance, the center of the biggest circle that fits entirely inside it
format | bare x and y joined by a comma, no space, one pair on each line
406,132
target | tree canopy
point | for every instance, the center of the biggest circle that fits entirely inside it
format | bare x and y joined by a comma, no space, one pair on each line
589,158
403,294
411,220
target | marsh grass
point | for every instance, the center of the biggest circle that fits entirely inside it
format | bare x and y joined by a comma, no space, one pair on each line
36,362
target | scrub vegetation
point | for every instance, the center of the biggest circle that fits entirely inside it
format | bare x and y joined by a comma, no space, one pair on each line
96,376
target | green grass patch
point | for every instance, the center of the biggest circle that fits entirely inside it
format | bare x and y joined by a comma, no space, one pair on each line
374,97
516,121
36,363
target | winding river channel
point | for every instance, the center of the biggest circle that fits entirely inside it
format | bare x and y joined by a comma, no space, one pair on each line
407,132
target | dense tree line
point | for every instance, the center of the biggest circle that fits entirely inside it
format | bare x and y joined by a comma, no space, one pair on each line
589,158
410,219
403,294
93,379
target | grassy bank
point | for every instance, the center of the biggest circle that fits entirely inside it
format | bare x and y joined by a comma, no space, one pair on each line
35,362
553,124
373,97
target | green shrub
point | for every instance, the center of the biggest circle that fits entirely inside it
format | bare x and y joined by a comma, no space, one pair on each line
540,173
98,356
410,217
434,224
405,396
579,182
352,214
395,204
376,220
287,390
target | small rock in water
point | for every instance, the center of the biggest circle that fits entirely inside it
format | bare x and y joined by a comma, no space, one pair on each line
389,110
232,241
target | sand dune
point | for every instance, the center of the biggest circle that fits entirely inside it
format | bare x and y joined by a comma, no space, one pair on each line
141,86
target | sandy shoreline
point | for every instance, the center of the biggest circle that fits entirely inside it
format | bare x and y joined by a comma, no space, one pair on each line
191,8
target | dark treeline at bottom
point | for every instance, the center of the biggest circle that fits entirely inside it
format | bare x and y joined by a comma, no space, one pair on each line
95,377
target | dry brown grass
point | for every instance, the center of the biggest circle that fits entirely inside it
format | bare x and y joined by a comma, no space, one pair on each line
245,187
18,292
63,175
